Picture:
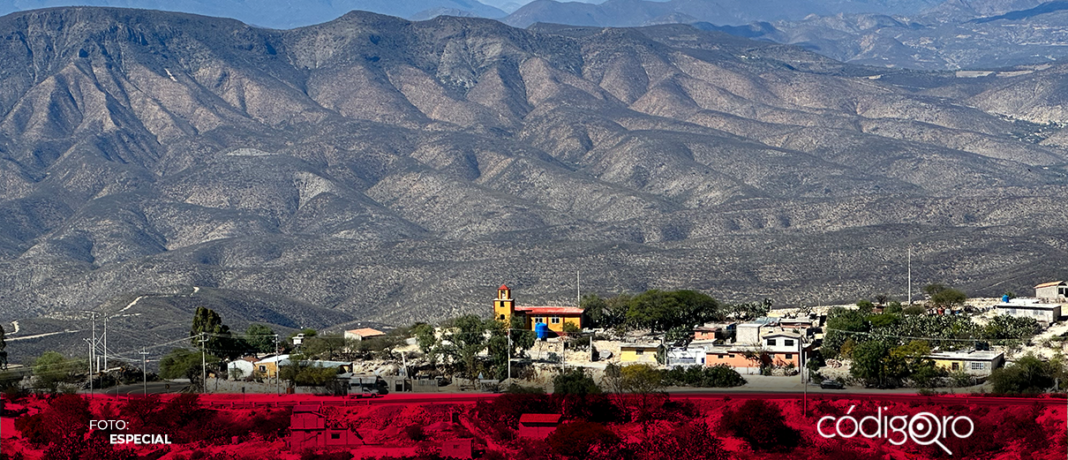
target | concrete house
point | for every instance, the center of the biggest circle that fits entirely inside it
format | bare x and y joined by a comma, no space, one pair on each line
689,356
972,362
638,353
1044,313
1054,291
308,430
749,333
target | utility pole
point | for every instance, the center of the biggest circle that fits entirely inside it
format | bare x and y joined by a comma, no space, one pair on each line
105,344
92,347
509,353
591,347
277,387
910,275
203,362
804,384
578,289
90,366
144,368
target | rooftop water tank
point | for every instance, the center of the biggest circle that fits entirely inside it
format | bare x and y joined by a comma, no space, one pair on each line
542,330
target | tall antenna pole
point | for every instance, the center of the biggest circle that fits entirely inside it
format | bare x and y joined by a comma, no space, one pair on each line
910,275
578,289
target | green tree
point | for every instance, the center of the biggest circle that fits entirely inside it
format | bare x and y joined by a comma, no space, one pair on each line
1028,375
303,372
647,383
326,346
948,298
911,359
653,309
865,306
260,338
468,336
841,323
424,335
893,308
596,310
184,363
52,368
574,382
522,337
914,310
870,362
219,339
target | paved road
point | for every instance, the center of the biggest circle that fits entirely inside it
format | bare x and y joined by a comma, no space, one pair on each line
153,388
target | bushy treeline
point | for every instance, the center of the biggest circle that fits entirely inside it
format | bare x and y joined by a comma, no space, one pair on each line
891,348
674,312
718,376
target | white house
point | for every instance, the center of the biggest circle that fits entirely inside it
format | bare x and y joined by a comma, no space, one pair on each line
689,356
245,365
1044,313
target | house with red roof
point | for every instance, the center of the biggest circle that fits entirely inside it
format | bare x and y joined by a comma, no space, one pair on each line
555,317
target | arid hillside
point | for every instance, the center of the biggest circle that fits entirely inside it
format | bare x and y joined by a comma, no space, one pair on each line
377,169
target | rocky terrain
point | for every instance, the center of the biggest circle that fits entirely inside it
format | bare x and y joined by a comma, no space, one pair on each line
379,170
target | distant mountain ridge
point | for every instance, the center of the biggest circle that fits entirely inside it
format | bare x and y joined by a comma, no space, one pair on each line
630,13
382,170
279,14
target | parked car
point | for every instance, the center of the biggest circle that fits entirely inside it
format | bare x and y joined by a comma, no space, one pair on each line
832,385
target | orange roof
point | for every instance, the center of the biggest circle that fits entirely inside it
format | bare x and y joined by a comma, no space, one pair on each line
539,418
503,287
1051,283
367,332
550,310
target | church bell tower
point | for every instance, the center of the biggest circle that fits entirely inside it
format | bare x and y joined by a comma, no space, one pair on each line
503,305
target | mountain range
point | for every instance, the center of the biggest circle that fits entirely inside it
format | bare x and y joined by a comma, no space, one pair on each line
373,169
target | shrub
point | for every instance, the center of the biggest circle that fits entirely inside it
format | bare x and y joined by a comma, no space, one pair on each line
761,425
575,439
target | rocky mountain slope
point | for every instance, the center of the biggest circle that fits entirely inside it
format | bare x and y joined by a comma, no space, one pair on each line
376,169
279,14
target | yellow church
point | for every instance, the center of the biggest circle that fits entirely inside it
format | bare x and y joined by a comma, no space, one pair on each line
555,317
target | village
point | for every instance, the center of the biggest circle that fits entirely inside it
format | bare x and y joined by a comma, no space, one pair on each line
794,349
675,369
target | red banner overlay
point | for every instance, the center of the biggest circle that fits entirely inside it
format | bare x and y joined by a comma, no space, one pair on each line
534,426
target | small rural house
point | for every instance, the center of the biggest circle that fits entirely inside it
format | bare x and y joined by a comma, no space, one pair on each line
638,353
457,448
1054,291
689,356
1044,313
363,334
308,430
749,333
972,362
538,426
714,331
